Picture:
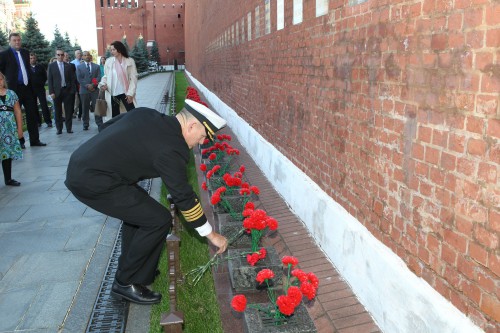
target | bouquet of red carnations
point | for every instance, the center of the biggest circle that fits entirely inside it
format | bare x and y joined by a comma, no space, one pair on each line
296,285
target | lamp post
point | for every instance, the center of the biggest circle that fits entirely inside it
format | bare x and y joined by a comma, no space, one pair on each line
168,56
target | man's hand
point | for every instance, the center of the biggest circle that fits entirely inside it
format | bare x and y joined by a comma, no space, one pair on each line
218,240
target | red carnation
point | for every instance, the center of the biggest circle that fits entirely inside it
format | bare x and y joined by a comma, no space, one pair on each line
264,274
203,167
300,275
308,290
313,279
253,258
272,224
244,191
262,253
94,81
212,157
239,303
255,189
215,198
295,295
285,305
204,186
247,212
248,223
289,260
206,141
249,205
242,168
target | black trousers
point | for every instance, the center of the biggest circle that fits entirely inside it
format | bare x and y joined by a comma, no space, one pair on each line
146,224
7,169
28,101
115,104
68,98
42,98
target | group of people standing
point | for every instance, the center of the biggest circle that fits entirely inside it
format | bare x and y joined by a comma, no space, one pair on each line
103,173
22,83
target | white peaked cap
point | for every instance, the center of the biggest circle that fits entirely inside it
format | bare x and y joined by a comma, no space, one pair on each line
207,117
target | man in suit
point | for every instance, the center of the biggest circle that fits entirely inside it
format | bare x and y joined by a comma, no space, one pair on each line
75,101
14,64
39,75
62,90
85,74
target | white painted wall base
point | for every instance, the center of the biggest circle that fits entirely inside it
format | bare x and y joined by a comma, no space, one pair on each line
398,300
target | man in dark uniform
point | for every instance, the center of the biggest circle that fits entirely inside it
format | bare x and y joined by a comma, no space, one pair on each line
39,76
141,144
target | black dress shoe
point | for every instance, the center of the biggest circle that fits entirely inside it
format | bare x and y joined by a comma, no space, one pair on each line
59,132
85,128
49,125
23,146
70,131
12,182
135,293
38,144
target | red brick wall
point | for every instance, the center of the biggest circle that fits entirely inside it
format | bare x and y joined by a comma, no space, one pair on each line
392,107
155,20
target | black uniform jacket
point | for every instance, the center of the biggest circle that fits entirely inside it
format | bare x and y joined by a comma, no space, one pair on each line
133,146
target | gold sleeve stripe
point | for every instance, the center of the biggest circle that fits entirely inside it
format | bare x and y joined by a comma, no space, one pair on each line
193,214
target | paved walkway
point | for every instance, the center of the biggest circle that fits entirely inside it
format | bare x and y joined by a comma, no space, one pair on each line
54,249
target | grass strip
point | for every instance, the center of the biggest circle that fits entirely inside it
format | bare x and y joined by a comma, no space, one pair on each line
199,303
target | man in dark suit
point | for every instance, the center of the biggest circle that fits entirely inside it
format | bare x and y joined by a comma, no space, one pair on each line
85,73
62,90
14,64
76,103
39,75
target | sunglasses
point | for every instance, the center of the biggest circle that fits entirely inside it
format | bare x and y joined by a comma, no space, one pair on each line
60,55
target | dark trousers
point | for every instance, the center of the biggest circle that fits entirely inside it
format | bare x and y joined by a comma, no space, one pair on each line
7,169
42,98
68,98
146,224
115,104
88,104
27,100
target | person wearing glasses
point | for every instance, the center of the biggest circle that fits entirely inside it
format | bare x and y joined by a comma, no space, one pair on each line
62,88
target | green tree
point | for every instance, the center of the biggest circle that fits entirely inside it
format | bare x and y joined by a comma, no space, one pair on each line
59,42
140,55
155,53
4,40
124,41
108,53
34,41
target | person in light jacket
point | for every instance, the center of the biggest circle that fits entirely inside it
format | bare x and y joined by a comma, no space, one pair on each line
119,80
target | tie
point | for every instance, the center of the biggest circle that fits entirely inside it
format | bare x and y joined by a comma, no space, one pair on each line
88,67
61,70
23,69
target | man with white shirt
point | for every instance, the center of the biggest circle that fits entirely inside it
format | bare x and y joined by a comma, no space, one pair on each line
77,61
61,79
88,75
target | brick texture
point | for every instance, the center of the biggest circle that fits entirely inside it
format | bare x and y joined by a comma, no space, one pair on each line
397,98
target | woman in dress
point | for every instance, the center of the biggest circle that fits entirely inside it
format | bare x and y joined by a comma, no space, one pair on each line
119,80
101,65
11,131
